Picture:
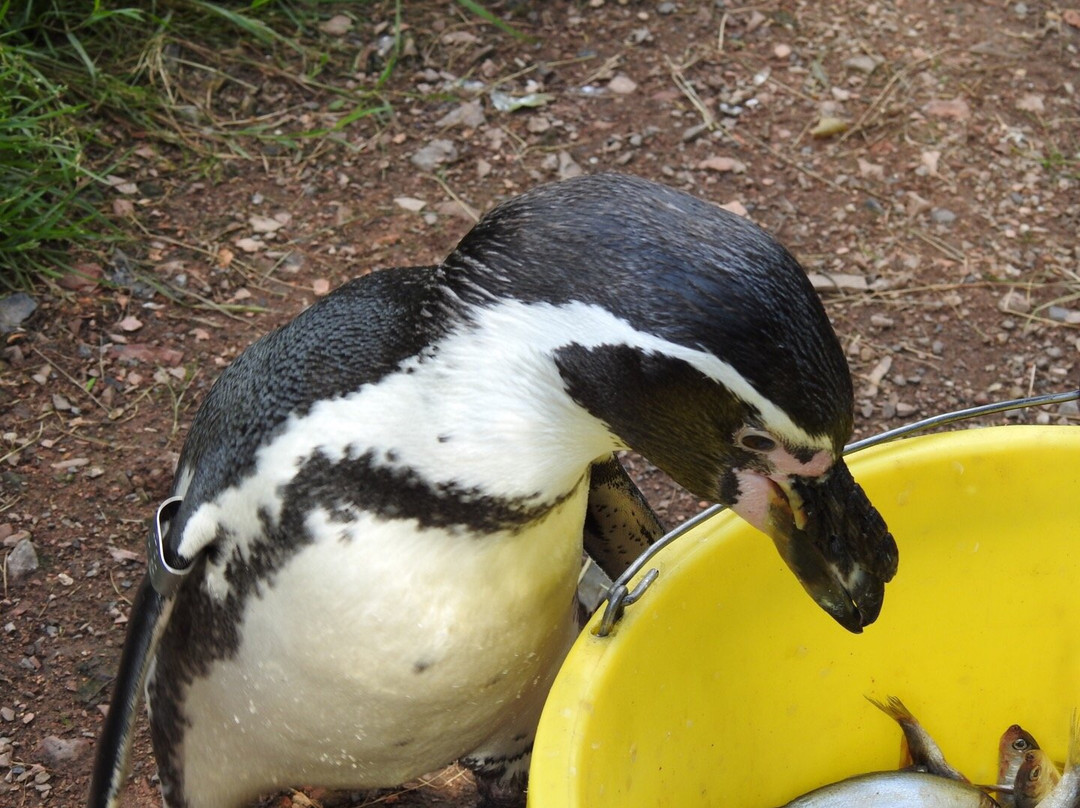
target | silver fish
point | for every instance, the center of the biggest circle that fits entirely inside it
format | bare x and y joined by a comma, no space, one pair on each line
1014,744
900,789
922,749
1066,793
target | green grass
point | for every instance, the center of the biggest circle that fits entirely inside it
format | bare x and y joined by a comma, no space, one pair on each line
81,79
43,180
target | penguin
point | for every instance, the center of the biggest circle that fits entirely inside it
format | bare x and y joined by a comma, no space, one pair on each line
367,566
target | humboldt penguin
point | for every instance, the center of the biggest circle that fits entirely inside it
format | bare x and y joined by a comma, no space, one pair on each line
367,566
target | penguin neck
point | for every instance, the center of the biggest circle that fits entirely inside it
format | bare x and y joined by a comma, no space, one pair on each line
489,381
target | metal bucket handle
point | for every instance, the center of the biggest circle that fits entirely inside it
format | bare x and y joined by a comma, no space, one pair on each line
620,596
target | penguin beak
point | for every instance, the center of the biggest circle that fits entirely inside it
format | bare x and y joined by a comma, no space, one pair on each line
828,534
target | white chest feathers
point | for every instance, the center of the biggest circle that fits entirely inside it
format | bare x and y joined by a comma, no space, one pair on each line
373,659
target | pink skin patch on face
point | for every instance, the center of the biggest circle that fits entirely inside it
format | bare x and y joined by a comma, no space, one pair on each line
785,464
761,492
757,495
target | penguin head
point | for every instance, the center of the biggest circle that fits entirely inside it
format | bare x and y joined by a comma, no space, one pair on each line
723,370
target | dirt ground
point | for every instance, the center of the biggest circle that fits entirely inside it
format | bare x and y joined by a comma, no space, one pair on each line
921,158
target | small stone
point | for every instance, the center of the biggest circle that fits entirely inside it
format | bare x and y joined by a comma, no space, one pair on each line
955,108
782,51
723,165
264,224
1014,301
249,245
881,321
410,204
338,25
1031,103
469,115
14,309
862,63
459,38
1063,315
903,409
21,561
942,216
666,8
567,167
434,154
1069,409
937,348
837,282
622,84
736,207
538,124
689,135
7,714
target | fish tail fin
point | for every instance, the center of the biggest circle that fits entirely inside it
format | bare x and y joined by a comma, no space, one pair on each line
114,744
894,708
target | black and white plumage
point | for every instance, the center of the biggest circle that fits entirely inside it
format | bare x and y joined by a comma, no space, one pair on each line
384,501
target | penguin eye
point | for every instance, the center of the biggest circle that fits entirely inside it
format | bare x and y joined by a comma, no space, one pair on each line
757,442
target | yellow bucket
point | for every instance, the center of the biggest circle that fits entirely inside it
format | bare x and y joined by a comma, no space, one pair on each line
725,685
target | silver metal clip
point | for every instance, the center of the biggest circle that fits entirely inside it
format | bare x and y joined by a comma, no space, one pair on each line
164,577
620,597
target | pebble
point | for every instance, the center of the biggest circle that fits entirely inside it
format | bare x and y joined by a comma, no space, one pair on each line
568,168
1014,301
881,321
782,51
470,115
622,84
7,714
434,154
22,561
538,124
666,8
942,216
410,204
873,206
1069,409
862,63
1063,315
14,309
723,165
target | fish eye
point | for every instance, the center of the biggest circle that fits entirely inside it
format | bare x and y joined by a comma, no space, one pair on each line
756,441
1020,744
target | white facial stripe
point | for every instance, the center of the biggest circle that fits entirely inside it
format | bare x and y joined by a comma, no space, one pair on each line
491,385
604,328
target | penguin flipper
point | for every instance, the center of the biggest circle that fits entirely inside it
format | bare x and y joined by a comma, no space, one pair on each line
114,743
619,522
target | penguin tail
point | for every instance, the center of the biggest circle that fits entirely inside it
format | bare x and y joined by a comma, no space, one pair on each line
114,744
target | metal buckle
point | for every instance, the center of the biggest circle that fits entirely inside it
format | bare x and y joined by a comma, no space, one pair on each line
164,577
